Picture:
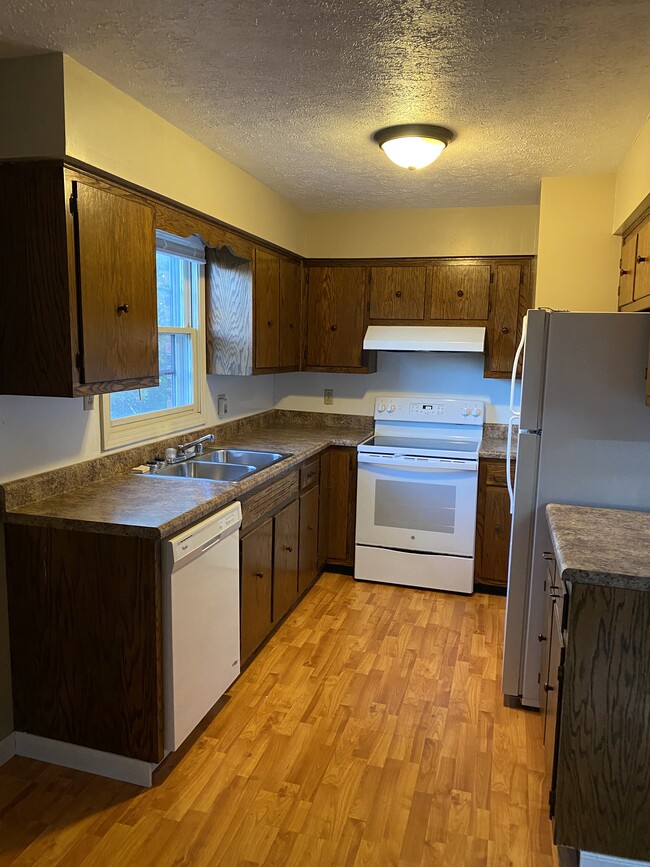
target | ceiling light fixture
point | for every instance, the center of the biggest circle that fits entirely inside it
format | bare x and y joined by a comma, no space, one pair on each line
413,145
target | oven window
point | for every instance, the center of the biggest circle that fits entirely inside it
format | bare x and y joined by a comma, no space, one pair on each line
414,506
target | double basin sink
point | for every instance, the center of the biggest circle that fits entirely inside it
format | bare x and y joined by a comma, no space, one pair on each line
221,465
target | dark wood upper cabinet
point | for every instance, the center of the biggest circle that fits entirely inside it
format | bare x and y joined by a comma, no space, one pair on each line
79,256
336,318
642,276
459,291
504,324
627,270
290,314
267,309
634,279
397,292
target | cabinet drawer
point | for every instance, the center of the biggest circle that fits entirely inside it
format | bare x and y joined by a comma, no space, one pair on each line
495,473
309,474
269,500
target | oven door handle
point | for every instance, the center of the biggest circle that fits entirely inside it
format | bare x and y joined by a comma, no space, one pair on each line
430,466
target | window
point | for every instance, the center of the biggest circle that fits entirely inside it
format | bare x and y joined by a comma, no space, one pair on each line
177,403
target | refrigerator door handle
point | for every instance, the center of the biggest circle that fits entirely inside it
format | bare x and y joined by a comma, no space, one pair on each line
513,378
511,493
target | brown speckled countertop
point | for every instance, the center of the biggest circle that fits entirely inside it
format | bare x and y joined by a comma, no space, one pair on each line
158,507
494,443
609,547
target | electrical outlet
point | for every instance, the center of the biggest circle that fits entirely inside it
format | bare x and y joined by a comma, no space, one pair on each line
89,402
222,405
328,396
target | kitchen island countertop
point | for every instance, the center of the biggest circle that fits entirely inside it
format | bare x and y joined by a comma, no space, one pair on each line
608,547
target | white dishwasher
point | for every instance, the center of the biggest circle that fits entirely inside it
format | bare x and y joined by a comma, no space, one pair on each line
200,620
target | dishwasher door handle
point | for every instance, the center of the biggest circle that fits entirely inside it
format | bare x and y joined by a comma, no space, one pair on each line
211,544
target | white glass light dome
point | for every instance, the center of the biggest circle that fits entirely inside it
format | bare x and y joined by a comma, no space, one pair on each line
413,145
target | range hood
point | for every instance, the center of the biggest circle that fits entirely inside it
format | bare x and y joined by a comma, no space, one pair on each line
425,338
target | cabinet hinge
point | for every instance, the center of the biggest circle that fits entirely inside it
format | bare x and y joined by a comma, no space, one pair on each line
73,204
539,678
491,276
79,361
521,275
306,276
369,276
560,673
551,802
368,306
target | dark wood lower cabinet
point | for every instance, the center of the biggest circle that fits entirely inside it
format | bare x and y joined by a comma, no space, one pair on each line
86,639
338,495
285,560
256,587
308,547
493,523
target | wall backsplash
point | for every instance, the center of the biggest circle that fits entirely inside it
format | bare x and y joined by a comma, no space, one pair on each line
450,374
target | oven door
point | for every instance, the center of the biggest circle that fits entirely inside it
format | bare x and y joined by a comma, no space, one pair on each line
417,503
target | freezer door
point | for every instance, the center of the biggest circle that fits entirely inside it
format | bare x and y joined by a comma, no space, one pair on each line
519,572
534,370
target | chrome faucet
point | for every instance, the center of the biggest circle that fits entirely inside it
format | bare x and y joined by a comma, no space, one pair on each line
197,445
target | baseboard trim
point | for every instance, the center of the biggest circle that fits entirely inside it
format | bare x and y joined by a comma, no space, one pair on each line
7,748
84,759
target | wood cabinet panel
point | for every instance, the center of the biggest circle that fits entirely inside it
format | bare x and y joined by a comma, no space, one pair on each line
502,325
459,291
627,270
397,292
86,639
642,274
309,474
493,524
269,500
602,796
256,587
285,560
229,313
267,309
338,490
336,316
290,314
308,545
116,274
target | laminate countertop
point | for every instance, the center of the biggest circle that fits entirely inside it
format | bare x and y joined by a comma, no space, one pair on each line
157,507
608,547
494,445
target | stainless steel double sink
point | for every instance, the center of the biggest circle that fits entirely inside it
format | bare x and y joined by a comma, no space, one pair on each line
222,465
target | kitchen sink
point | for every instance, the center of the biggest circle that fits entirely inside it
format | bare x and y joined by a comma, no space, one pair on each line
201,470
236,457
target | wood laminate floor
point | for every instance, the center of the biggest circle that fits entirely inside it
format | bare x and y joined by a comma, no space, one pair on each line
369,731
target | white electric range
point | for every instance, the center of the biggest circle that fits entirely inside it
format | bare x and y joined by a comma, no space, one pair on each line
416,493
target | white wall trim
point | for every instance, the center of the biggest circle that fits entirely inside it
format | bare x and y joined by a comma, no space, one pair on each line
84,759
7,748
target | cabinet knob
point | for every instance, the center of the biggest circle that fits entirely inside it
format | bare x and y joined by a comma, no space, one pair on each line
259,574
123,308
505,330
548,688
334,327
460,293
541,637
288,548
398,294
311,529
270,323
291,326
623,272
497,528
640,259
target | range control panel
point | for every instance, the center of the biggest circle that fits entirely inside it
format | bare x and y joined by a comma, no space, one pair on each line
429,408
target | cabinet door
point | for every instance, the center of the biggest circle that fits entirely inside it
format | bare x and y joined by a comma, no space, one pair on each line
116,285
642,276
289,314
308,547
256,577
285,560
493,524
397,293
554,700
546,640
459,291
336,316
266,300
627,269
338,493
502,325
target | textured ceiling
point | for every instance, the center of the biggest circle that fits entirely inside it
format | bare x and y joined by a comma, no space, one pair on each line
291,90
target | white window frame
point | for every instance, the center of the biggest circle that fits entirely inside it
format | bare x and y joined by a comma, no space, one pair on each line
154,425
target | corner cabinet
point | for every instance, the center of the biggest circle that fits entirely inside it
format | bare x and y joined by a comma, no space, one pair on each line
79,310
336,319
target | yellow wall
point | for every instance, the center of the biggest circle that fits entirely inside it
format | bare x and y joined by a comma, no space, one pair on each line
424,232
31,107
633,182
578,256
113,132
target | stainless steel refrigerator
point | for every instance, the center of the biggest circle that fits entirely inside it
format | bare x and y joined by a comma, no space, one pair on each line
584,438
